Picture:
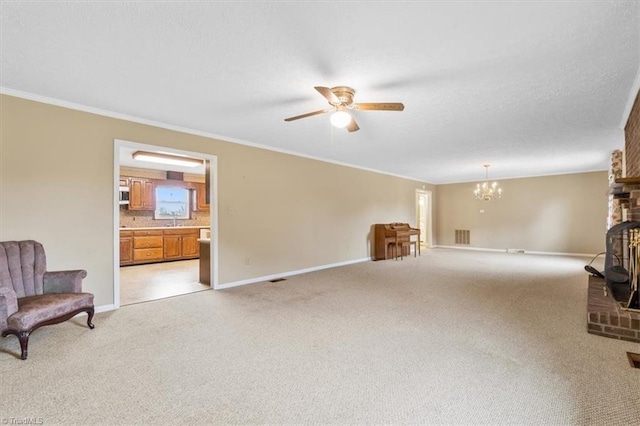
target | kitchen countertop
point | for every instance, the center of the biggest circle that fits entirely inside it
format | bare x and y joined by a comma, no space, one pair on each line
146,228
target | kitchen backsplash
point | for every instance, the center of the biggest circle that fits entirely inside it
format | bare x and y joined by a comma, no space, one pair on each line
144,219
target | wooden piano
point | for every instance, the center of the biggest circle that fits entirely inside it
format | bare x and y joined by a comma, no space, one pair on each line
394,239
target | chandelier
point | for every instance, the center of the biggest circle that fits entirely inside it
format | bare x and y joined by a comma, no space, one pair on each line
486,191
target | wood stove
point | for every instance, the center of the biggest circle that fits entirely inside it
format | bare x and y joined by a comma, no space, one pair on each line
620,259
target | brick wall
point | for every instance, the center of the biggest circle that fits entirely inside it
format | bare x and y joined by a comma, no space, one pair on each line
632,154
632,140
605,316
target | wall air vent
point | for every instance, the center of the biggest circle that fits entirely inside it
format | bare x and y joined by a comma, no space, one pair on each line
463,236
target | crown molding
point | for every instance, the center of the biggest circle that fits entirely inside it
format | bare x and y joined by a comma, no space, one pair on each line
120,116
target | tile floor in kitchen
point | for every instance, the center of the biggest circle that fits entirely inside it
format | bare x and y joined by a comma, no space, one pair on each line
142,283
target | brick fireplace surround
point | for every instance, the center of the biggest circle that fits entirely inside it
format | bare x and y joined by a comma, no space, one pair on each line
632,160
605,316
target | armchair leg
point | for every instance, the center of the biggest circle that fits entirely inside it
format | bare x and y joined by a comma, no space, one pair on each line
90,313
24,343
23,337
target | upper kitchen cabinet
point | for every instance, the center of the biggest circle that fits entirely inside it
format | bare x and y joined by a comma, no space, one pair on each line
141,195
200,198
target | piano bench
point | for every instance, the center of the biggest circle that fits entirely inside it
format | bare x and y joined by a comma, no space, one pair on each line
405,248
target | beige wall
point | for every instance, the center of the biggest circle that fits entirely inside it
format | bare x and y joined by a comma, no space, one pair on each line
564,213
281,212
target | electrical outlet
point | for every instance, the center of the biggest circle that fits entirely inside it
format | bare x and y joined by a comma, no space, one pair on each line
246,261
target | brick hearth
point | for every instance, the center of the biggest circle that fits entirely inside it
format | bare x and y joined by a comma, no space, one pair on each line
606,318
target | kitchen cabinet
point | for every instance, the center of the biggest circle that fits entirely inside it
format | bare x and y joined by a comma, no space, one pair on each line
141,194
158,245
190,247
181,243
172,246
200,198
147,246
126,247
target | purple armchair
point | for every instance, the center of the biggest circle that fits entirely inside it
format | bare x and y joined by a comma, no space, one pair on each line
31,297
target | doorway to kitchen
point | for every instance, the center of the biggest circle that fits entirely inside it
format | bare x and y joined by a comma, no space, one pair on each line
424,217
165,222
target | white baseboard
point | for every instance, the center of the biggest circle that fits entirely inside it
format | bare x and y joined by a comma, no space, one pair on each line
545,253
290,273
470,248
105,308
558,253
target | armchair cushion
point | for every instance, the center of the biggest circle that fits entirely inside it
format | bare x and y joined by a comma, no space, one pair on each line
8,305
63,281
34,310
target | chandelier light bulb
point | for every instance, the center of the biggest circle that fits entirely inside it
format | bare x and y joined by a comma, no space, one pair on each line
340,119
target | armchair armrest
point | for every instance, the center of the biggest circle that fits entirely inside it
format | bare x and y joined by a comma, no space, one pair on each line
64,281
8,305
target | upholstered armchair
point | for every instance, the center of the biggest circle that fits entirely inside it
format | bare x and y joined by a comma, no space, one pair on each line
31,297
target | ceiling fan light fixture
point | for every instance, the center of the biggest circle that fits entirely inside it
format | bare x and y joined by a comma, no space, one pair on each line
341,99
340,119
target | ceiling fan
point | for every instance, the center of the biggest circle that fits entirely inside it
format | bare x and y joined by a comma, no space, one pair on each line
341,100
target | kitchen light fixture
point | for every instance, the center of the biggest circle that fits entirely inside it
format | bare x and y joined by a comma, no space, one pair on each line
164,158
486,191
340,119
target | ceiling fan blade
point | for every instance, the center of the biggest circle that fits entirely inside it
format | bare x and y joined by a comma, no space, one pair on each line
327,93
309,114
352,126
388,106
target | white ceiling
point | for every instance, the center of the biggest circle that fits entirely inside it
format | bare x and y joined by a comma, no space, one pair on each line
532,88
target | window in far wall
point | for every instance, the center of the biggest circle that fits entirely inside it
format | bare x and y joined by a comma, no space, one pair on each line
172,203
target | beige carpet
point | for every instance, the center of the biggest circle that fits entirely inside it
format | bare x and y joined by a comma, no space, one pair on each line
452,337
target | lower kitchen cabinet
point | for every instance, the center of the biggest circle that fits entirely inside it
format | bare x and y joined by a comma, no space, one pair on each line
126,247
158,245
147,246
181,243
172,246
190,246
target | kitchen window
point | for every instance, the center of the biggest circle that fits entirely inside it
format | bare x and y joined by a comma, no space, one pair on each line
172,203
